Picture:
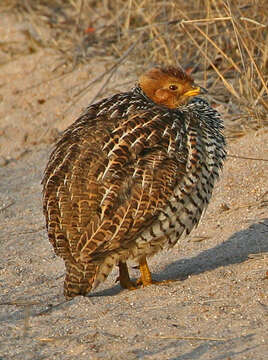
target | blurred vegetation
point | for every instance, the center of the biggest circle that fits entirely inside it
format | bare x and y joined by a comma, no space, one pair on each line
224,43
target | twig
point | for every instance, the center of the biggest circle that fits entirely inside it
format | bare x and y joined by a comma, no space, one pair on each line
78,23
252,21
50,308
21,303
110,70
193,21
7,206
26,320
245,157
199,238
188,338
227,85
54,338
239,37
104,85
228,58
46,80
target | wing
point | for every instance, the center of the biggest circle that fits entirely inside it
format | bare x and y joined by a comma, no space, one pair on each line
111,183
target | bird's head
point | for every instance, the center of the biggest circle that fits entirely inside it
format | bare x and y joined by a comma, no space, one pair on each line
170,86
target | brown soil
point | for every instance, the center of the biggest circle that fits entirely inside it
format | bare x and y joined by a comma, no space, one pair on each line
217,308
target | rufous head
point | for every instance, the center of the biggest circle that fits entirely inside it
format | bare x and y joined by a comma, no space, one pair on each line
170,86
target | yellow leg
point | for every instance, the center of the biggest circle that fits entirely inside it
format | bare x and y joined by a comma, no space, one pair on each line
146,276
144,280
124,279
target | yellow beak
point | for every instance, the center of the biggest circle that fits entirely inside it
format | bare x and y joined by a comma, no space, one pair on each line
193,92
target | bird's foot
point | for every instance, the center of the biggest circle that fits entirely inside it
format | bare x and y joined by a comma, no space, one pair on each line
129,285
124,279
146,276
142,282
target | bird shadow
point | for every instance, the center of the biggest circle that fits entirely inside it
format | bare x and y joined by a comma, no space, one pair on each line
235,250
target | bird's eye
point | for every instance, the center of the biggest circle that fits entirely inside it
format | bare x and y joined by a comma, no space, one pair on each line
173,87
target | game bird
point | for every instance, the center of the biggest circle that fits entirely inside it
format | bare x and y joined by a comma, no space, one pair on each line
130,177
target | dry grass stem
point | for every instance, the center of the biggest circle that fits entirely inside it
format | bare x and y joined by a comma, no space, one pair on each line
245,157
195,338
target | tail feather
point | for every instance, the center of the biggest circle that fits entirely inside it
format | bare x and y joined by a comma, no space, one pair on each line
79,279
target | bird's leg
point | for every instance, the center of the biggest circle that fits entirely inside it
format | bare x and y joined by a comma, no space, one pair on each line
146,276
124,279
144,280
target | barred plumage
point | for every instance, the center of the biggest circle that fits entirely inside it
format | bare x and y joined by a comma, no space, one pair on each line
130,177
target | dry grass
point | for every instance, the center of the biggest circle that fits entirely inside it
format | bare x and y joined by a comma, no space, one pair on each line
224,43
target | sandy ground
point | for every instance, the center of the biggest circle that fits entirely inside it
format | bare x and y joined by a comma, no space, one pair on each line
218,307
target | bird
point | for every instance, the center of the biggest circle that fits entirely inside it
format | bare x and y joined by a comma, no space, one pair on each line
130,177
